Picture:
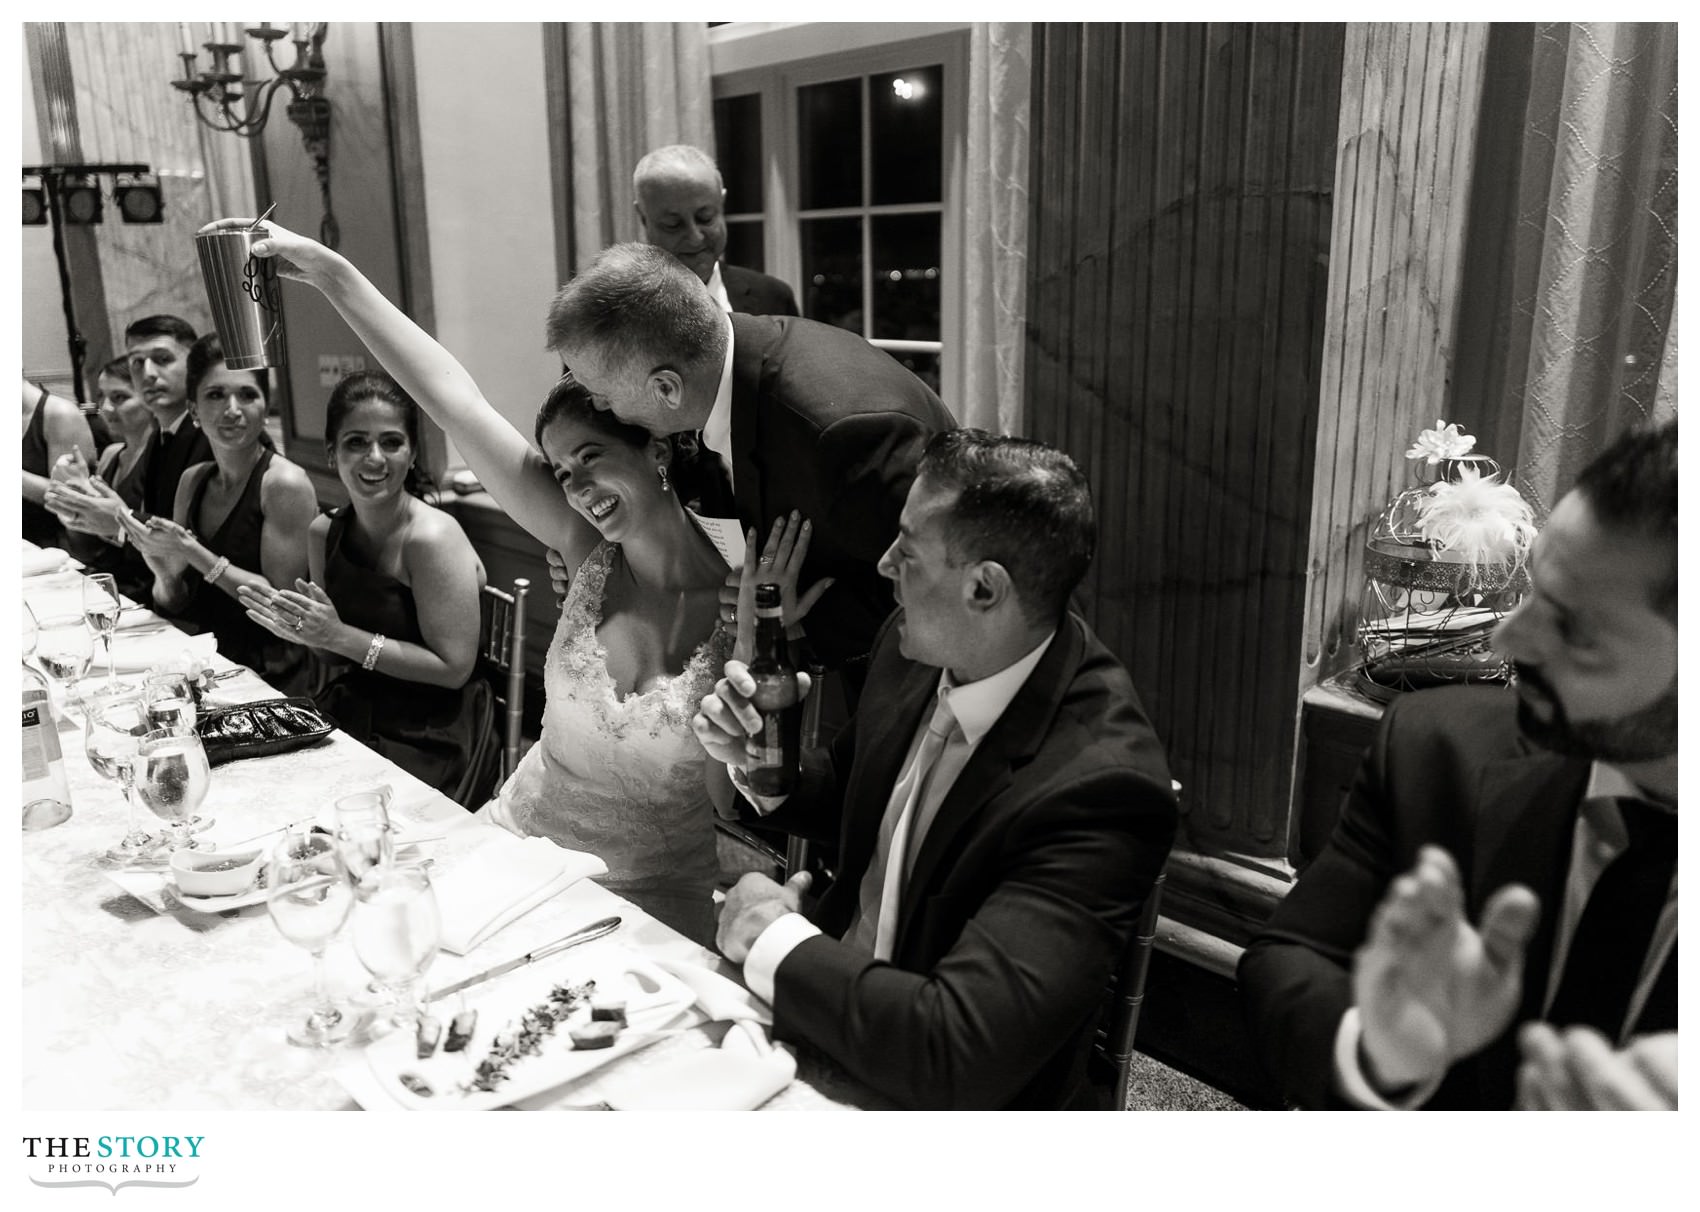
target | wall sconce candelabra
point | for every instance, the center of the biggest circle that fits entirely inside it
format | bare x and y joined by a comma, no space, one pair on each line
225,101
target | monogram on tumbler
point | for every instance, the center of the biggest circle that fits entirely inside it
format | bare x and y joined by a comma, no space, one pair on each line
242,290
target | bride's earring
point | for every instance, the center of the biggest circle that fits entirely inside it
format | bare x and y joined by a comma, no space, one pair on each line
661,470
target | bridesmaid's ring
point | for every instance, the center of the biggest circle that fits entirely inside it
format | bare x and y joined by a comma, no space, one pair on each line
298,623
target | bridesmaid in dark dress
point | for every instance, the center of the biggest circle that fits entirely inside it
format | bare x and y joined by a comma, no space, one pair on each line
404,660
53,426
240,522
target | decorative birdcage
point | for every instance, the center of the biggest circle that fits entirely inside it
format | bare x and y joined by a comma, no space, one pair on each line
1443,564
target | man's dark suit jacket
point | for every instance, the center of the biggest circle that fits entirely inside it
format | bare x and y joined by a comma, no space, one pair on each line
167,460
824,423
1021,897
755,293
1449,768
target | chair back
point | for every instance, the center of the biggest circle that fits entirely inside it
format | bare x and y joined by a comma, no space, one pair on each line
501,656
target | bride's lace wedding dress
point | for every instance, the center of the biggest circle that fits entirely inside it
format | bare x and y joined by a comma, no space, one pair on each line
622,778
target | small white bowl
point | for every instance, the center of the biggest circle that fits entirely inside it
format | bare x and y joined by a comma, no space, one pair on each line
212,873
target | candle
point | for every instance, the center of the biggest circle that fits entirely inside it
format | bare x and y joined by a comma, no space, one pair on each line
185,38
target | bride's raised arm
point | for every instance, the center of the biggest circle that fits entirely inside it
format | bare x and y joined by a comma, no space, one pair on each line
501,457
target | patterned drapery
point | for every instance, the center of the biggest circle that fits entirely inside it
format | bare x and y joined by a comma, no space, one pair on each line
994,279
628,88
1594,306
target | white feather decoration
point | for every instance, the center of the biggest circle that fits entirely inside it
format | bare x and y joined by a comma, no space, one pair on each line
1486,522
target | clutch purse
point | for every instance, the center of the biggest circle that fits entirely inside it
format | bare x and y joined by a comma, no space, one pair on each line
258,729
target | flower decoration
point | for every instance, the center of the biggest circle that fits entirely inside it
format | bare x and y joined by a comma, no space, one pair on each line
1483,520
1442,442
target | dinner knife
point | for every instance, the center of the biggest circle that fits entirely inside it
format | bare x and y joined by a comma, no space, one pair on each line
595,930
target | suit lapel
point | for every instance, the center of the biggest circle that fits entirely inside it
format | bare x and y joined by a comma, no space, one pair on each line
1013,740
752,341
1524,835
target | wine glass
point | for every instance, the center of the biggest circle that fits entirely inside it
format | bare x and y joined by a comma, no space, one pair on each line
101,605
114,724
29,627
363,832
309,900
169,701
397,931
173,777
64,648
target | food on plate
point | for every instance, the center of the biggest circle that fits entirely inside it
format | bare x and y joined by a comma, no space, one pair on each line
526,1039
597,1033
606,1007
430,1031
460,1030
416,1084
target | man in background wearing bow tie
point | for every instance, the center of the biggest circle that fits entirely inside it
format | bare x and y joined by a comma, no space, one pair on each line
1493,923
1006,806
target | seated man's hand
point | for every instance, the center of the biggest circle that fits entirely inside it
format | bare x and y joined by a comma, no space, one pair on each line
752,906
728,719
1430,988
560,576
1576,1069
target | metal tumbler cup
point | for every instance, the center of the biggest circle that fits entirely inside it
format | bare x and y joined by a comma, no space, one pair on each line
243,292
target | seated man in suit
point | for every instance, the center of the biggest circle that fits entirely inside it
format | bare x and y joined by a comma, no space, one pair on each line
158,351
680,198
1006,806
798,416
1493,922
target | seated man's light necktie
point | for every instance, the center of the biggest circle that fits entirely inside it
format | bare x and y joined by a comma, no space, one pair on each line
875,927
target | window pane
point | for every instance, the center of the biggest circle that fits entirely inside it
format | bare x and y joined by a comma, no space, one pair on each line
743,245
906,110
829,143
906,277
832,271
737,149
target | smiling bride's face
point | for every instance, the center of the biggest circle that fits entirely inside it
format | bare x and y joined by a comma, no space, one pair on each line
614,484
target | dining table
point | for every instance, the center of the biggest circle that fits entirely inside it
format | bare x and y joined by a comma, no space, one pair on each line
133,1000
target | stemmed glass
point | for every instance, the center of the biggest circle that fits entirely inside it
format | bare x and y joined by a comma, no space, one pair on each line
173,777
397,931
101,606
114,725
64,649
169,701
309,901
367,844
29,631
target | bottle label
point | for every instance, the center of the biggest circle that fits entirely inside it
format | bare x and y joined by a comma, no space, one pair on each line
41,746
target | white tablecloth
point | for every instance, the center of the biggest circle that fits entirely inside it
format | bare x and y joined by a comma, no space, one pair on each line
127,1008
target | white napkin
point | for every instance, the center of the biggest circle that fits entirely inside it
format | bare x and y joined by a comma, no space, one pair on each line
718,997
38,560
139,653
504,877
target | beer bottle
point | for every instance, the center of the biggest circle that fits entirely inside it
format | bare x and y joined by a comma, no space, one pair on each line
773,767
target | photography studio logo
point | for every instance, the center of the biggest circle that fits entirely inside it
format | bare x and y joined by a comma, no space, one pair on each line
113,1162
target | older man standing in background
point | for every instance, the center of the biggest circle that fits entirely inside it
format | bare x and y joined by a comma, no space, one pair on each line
680,201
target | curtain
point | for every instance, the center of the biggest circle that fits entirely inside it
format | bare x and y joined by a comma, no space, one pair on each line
1594,258
994,278
126,111
629,87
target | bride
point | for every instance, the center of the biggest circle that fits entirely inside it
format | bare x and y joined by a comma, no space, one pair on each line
642,636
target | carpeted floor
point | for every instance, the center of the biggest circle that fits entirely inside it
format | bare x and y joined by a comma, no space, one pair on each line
1156,1087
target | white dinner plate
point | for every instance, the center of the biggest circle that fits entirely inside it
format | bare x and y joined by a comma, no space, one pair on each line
255,895
654,1000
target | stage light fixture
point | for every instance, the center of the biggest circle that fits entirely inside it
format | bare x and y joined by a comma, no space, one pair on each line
139,199
80,198
35,206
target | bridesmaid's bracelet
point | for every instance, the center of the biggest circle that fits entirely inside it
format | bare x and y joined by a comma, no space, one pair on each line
217,570
372,652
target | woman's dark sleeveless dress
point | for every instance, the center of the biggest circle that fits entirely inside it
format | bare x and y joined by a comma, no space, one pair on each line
125,563
237,538
426,730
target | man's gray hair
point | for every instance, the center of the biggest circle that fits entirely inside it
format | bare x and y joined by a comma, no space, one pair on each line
677,157
635,302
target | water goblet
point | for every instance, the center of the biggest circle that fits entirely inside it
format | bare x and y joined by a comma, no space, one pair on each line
30,629
64,648
114,724
309,900
169,701
173,777
397,931
101,606
363,832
